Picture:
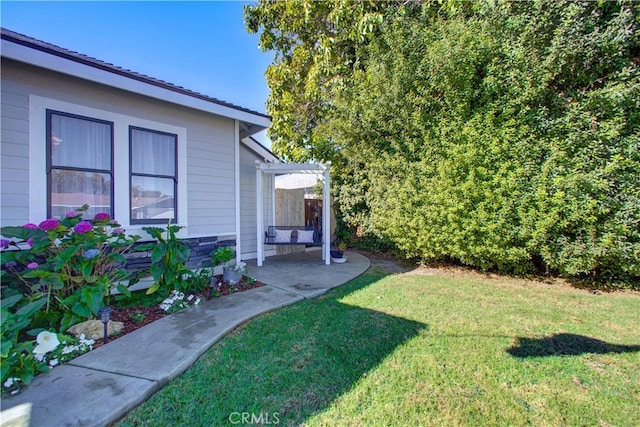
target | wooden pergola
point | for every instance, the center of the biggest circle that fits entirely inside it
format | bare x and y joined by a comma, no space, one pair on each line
263,169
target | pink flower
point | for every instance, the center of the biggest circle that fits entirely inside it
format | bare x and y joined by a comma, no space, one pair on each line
49,224
30,242
30,226
82,227
102,216
71,214
118,230
32,265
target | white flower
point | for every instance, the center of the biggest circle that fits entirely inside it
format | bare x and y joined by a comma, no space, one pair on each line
47,341
82,337
10,381
53,362
69,349
190,297
39,357
197,301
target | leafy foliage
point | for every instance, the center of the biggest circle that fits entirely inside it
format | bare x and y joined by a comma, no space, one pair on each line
54,275
221,256
72,263
316,47
168,257
504,135
16,355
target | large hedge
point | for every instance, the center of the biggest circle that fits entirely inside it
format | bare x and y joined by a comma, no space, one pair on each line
505,137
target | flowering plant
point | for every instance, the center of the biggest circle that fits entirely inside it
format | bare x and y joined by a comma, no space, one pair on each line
177,301
240,267
71,262
52,350
47,341
67,348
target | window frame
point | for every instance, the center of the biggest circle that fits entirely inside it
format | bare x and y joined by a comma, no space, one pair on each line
174,220
35,168
49,157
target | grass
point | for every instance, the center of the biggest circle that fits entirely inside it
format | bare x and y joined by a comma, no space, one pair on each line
420,350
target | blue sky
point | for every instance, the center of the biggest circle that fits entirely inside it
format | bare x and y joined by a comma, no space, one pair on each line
200,45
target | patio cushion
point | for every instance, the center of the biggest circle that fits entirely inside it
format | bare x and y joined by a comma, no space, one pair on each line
305,236
283,236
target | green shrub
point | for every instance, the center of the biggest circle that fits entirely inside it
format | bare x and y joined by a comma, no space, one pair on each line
168,257
504,136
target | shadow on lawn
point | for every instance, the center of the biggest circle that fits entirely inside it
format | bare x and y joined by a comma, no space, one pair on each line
565,345
337,345
290,364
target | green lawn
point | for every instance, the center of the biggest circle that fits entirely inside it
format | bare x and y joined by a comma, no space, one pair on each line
408,350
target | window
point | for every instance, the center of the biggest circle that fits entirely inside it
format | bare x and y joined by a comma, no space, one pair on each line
82,155
79,164
153,168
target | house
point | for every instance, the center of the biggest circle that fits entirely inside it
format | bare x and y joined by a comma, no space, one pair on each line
78,130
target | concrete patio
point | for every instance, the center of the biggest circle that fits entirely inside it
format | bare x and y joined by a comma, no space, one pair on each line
101,386
305,274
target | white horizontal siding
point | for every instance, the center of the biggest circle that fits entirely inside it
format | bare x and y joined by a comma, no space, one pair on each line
10,111
15,125
10,149
14,155
248,207
12,176
211,195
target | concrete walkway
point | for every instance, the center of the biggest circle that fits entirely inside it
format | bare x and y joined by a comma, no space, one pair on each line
103,385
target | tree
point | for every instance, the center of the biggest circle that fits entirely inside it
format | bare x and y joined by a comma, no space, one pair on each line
317,46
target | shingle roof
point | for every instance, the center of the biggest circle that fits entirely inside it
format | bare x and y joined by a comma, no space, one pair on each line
105,66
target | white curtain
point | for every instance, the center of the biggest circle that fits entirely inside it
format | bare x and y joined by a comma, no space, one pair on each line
153,153
80,143
86,144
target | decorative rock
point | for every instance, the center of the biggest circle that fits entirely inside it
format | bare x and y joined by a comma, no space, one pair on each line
94,329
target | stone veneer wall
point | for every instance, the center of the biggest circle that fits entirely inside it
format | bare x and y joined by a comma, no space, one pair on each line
201,248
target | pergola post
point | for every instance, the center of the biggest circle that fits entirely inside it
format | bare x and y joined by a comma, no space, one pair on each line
259,214
326,217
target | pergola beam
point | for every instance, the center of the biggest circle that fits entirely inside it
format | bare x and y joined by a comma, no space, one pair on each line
282,168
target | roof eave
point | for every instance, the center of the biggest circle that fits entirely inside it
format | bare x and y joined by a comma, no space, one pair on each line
77,67
261,150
